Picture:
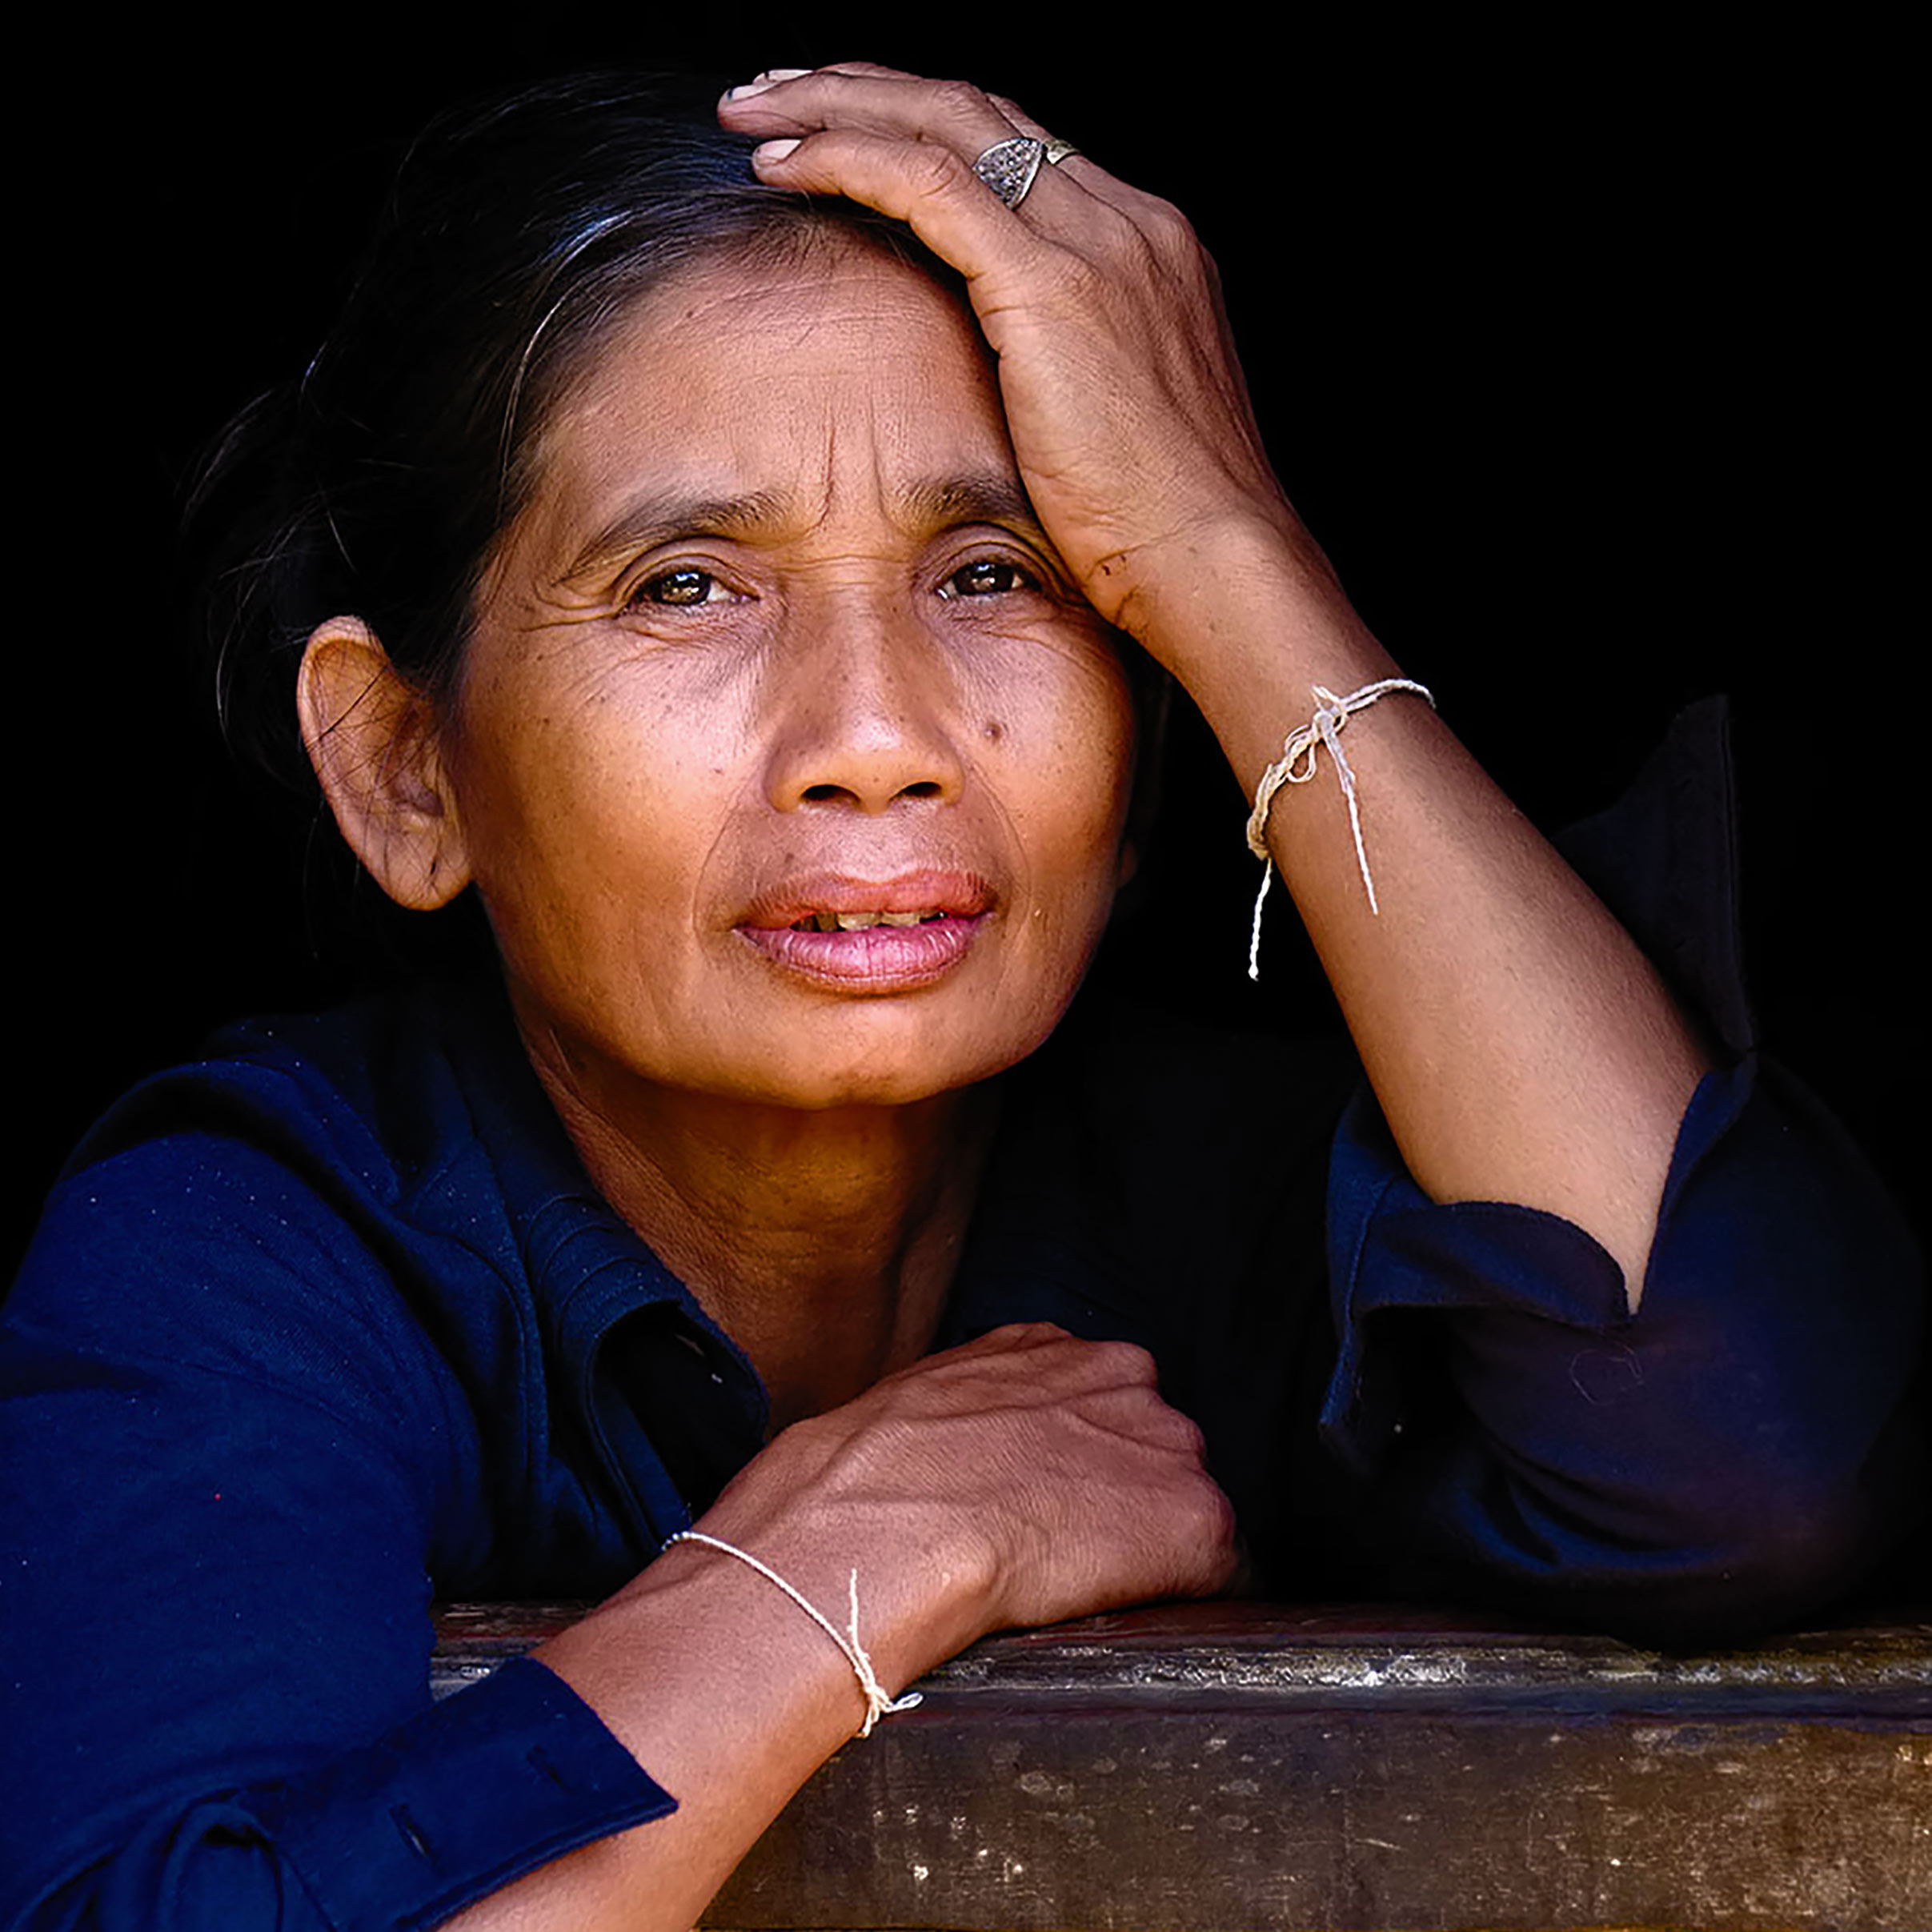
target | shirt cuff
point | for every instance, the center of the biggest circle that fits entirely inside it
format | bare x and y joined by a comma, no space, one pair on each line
1392,1249
494,1781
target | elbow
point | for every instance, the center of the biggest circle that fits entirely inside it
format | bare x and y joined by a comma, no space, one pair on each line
1783,1546
1775,1574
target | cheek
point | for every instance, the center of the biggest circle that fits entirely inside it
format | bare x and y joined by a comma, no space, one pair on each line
561,808
1092,732
1066,758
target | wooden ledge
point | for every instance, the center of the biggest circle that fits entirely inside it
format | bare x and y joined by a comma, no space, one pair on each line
1218,1766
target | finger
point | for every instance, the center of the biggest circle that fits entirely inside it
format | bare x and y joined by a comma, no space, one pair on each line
1081,167
1131,1429
950,113
953,113
1059,201
1075,166
1140,207
1012,1336
1090,1366
925,184
1015,1338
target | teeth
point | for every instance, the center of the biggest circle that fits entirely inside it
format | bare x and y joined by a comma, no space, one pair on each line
863,922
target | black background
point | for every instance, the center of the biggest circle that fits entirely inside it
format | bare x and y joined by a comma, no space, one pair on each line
1578,349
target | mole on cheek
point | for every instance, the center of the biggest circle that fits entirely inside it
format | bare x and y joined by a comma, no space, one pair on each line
995,730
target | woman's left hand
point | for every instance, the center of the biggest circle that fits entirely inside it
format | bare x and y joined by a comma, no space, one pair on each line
1521,1047
1129,418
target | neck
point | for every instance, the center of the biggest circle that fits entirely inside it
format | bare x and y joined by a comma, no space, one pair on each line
822,1242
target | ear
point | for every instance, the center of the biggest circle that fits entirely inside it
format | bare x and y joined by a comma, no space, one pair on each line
372,736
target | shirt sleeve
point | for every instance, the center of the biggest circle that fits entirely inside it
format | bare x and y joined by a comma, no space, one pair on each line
1729,1458
227,1457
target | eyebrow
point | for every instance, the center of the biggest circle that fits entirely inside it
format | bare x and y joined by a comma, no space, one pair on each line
984,497
649,520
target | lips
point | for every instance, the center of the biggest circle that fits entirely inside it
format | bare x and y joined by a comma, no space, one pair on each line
870,935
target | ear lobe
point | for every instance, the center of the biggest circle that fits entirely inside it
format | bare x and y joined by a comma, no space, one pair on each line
372,736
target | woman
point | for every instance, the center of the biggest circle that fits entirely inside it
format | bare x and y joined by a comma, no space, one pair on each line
665,555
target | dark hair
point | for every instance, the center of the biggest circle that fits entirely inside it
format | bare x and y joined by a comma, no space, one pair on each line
376,486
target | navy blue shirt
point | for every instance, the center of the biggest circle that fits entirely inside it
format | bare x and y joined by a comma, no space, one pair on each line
332,1325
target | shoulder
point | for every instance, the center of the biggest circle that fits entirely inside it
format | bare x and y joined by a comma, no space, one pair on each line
276,1210
375,1090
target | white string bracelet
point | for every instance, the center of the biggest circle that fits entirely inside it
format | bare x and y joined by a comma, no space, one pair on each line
1296,766
880,1702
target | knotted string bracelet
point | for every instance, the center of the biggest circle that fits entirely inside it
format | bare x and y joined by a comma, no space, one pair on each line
880,1702
1296,766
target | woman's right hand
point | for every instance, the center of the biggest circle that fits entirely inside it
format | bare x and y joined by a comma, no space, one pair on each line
1026,1477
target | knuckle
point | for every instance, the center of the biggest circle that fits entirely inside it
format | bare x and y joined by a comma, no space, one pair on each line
1166,225
1125,1361
1219,1511
938,172
1204,1513
1030,1331
1219,1532
959,100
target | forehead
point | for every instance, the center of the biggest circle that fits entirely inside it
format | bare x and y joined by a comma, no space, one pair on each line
840,372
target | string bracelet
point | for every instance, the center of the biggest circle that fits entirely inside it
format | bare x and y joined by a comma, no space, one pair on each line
880,1702
1296,766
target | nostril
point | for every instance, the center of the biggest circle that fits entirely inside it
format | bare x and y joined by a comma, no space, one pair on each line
844,795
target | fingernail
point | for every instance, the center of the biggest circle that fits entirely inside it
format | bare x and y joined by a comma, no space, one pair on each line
768,151
758,84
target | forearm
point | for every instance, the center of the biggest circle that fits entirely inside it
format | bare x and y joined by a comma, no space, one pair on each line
1521,1047
730,1697
1024,1478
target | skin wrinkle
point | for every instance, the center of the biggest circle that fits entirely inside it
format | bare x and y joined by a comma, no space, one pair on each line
826,701
794,1150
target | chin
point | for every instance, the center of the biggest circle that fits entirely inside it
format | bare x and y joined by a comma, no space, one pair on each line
899,1075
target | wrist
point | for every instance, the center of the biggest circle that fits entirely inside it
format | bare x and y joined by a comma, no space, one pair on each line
925,1581
1257,560
1249,617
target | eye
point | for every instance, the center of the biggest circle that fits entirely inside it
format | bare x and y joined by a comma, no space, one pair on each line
680,589
989,577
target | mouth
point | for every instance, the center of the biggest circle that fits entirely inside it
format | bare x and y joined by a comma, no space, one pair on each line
870,936
863,922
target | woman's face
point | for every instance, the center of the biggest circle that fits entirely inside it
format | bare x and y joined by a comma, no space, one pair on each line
789,767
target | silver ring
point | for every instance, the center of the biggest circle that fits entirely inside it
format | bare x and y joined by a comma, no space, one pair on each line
1010,167
1057,150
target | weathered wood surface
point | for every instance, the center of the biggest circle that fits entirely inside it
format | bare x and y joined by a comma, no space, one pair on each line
1210,1767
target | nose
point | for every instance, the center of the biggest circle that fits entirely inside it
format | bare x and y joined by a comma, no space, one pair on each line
861,714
